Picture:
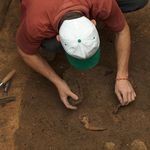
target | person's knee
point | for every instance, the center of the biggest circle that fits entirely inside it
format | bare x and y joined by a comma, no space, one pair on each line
141,3
131,5
52,45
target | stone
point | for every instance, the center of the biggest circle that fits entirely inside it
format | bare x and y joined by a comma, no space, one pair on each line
138,145
110,146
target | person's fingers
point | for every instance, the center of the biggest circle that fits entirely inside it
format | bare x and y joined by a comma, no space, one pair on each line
125,98
129,97
74,96
119,97
67,104
133,93
133,96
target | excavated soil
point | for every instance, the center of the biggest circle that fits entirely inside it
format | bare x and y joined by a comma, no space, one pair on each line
39,121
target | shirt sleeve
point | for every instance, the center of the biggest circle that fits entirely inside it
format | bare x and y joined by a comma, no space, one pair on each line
115,21
26,42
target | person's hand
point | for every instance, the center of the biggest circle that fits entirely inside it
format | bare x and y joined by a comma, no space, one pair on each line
64,93
124,92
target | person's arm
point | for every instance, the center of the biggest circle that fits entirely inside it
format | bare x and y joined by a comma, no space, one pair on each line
40,65
123,87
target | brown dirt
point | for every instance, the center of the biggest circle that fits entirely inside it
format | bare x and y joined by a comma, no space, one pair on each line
42,121
9,59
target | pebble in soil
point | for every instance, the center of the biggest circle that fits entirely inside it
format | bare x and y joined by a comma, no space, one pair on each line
138,145
110,146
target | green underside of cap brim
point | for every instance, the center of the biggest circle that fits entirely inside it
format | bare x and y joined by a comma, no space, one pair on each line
84,64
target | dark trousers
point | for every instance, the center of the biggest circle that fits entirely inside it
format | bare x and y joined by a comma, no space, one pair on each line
126,6
131,5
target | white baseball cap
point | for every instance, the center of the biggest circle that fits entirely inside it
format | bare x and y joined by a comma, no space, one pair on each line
80,40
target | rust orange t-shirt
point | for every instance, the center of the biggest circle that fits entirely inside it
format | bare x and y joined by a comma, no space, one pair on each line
40,18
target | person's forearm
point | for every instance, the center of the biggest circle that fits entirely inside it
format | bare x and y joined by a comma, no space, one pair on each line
37,63
123,48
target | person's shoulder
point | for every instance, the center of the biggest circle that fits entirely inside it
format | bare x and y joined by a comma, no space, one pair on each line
101,8
102,5
101,2
36,24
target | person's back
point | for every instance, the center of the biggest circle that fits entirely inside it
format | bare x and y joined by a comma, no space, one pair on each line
40,19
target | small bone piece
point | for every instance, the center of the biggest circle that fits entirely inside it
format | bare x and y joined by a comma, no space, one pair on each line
85,121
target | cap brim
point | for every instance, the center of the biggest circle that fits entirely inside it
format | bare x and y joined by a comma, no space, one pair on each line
84,64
